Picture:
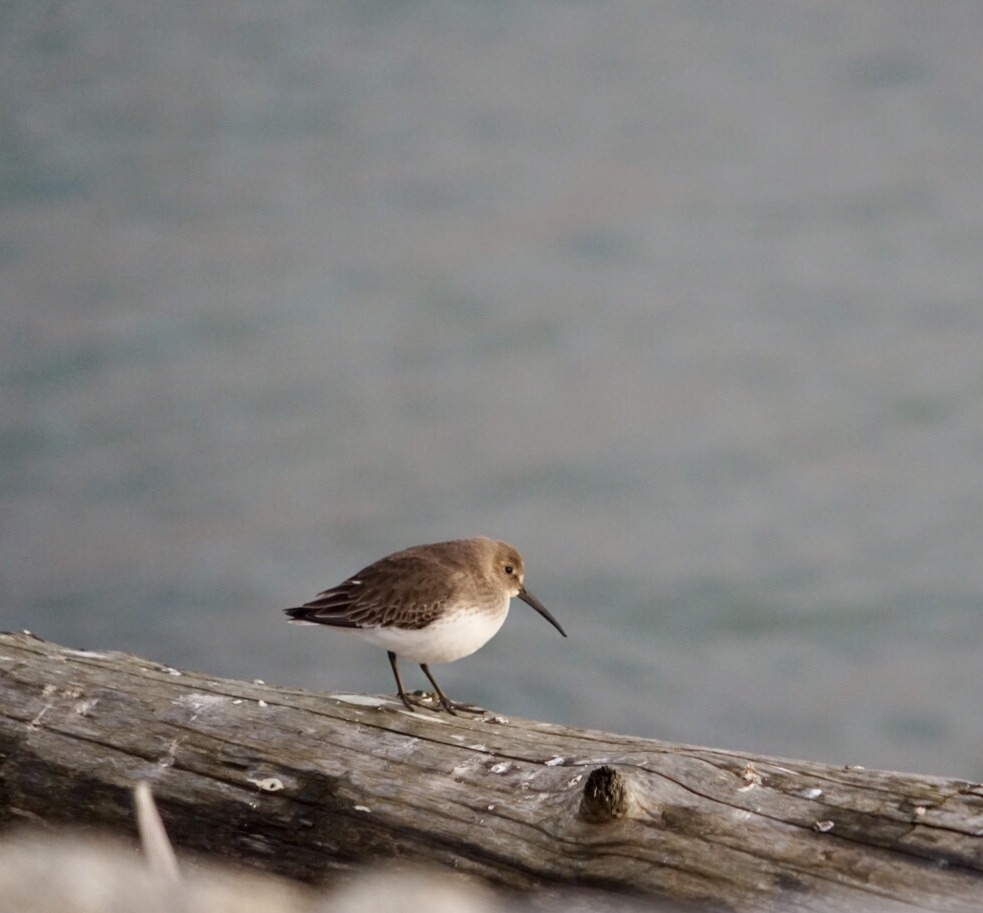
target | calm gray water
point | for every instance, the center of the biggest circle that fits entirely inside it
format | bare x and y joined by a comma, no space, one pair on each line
685,299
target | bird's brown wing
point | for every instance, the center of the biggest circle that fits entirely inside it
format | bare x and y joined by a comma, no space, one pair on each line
407,590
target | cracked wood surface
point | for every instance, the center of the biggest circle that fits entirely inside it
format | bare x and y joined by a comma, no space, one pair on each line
308,785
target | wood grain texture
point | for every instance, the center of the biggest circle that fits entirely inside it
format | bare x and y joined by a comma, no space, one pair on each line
308,785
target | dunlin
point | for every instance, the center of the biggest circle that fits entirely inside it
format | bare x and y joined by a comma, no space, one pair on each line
430,603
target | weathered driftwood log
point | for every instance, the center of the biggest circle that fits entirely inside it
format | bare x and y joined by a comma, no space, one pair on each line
306,785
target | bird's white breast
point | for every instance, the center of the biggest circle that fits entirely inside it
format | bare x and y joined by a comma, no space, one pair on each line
457,634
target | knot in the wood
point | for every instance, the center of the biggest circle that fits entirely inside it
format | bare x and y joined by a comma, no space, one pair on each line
605,796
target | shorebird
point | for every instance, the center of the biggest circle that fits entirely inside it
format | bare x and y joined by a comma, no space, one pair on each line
429,603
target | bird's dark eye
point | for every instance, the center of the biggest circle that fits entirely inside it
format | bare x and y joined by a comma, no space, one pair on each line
509,569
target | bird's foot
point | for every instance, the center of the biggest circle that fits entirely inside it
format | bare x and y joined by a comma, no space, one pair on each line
431,700
414,699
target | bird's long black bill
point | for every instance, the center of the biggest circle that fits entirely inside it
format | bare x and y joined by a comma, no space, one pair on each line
529,599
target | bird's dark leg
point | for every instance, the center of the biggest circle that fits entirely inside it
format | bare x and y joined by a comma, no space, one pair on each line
400,690
449,705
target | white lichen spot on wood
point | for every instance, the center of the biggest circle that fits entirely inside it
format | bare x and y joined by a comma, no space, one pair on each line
199,702
555,761
751,777
47,691
84,708
814,792
403,749
267,784
171,755
364,700
824,827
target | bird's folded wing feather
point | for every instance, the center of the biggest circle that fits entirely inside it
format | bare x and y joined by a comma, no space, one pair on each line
378,596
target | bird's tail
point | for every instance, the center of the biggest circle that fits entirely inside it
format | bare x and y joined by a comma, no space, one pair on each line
300,615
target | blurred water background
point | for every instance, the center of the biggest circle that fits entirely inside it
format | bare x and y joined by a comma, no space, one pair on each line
685,299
